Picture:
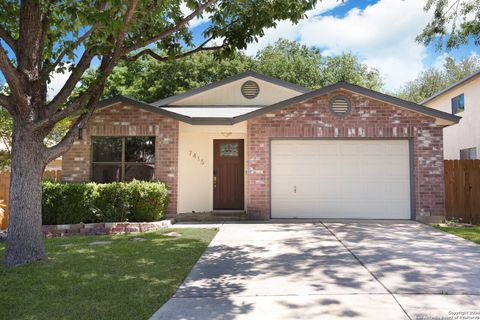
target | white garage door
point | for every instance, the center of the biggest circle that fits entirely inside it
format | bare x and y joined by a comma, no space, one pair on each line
365,179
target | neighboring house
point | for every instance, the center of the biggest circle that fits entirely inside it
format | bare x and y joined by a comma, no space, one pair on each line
273,149
460,141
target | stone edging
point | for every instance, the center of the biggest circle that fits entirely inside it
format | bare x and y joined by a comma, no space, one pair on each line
62,230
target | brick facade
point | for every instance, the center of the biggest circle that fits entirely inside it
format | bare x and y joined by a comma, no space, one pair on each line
124,120
368,119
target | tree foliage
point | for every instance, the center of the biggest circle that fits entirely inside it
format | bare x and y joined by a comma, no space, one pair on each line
149,80
71,35
40,37
454,23
6,130
433,80
305,66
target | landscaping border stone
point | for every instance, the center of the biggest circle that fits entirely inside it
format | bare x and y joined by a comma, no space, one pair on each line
84,229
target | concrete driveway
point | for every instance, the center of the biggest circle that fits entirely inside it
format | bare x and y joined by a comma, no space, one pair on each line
331,270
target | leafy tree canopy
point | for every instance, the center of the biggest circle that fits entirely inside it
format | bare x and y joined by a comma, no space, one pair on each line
433,80
40,37
149,80
454,23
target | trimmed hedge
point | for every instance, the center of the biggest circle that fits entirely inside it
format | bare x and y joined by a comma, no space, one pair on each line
70,203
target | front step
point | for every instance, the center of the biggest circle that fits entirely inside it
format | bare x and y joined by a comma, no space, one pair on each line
226,213
210,216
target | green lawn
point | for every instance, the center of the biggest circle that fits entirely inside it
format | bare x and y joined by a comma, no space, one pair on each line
122,280
469,233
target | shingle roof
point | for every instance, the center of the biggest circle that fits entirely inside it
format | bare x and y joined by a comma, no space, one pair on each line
217,116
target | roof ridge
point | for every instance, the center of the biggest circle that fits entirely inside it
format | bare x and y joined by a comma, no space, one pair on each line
302,97
213,85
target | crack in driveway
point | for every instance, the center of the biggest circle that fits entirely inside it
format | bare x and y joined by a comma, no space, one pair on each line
371,273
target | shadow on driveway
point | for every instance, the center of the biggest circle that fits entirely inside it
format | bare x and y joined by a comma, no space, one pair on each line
304,270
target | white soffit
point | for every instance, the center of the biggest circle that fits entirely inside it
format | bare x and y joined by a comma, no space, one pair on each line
211,112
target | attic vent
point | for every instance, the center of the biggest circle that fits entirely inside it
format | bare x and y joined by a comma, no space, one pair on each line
250,89
340,106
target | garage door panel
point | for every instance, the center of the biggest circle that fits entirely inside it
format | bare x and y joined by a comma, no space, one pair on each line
327,149
329,167
353,190
397,190
283,187
351,167
372,149
305,149
283,148
349,148
397,209
397,147
367,179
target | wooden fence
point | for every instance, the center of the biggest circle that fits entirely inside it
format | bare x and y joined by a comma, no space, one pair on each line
5,193
462,190
4,198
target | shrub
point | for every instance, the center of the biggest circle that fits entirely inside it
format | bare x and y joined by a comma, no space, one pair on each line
112,203
68,203
148,201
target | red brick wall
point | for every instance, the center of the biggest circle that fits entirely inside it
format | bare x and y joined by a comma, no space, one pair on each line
368,118
124,120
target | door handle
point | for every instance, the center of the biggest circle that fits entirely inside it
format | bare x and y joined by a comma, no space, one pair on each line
294,189
214,182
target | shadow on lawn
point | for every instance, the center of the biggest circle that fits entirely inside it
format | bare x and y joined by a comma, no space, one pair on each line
122,280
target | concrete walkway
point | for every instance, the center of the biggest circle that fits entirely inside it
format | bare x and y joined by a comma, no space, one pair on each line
330,270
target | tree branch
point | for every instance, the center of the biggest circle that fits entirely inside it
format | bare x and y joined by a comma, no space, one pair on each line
83,65
13,79
62,96
63,146
172,30
158,57
69,47
5,36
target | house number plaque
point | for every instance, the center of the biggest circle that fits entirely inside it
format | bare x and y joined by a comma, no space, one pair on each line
197,157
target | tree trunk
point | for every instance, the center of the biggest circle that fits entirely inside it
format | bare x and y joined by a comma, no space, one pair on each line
24,238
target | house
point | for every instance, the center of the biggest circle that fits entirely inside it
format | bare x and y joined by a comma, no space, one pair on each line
462,140
272,149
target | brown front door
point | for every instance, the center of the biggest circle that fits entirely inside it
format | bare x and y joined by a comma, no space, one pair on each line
228,174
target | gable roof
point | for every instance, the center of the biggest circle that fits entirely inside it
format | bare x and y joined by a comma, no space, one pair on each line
453,86
447,118
192,92
139,104
356,89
